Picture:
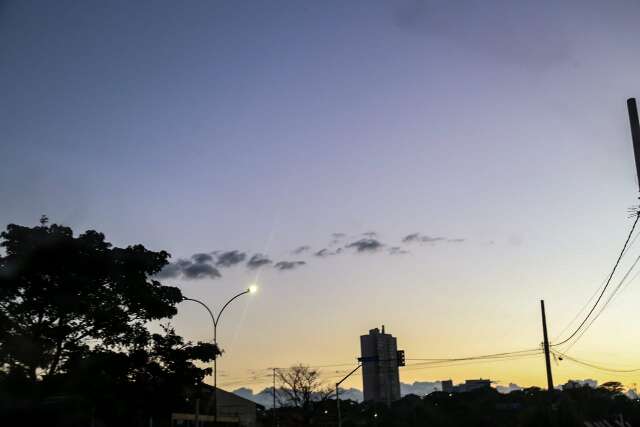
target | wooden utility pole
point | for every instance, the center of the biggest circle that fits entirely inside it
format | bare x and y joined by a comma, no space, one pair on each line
635,133
275,419
547,357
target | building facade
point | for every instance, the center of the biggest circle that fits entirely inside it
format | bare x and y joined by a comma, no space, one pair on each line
380,375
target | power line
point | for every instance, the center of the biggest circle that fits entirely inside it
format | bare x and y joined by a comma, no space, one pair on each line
615,266
613,294
485,356
417,366
593,365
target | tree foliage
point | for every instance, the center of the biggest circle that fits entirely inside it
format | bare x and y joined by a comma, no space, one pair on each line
74,342
301,386
59,292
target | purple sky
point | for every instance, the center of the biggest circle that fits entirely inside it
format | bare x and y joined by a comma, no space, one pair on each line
265,126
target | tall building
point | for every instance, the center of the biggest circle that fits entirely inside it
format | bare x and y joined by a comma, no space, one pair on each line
380,376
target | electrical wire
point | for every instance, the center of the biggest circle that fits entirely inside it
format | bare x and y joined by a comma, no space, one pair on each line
595,293
485,356
593,365
613,294
615,266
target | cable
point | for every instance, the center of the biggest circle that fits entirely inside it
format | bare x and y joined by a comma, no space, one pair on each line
486,356
416,367
615,266
595,293
613,294
592,365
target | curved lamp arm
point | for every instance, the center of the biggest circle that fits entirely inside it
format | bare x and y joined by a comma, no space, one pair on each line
229,302
213,319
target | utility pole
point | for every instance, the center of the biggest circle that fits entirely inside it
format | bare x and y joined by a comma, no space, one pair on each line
275,419
338,392
547,357
635,133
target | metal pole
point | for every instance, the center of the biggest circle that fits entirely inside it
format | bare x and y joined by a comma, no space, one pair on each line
547,357
215,373
215,343
338,404
635,133
338,393
275,420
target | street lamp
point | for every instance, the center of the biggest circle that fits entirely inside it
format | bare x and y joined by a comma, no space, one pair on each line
216,319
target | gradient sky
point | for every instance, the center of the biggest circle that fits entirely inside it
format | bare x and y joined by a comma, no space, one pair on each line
264,126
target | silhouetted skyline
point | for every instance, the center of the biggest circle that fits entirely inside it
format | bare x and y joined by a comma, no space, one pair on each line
486,145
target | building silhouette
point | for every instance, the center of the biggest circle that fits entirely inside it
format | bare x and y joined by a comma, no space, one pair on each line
380,375
469,385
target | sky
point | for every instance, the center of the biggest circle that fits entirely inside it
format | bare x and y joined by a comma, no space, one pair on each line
495,132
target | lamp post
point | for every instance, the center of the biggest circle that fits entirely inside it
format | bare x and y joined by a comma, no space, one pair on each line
216,319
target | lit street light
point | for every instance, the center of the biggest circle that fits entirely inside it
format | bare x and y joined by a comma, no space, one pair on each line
216,319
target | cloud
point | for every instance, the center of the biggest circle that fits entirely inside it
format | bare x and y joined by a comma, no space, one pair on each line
370,234
420,238
301,249
420,388
230,258
258,260
397,250
366,245
323,253
182,263
200,271
184,268
201,258
288,265
506,389
338,235
170,271
455,240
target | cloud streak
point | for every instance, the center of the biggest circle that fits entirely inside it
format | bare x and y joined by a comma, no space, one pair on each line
366,245
288,265
257,261
230,258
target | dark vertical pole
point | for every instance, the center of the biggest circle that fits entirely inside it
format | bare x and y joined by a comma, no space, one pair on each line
635,133
338,405
215,373
275,422
547,357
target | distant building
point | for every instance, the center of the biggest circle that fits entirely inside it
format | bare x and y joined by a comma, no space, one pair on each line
380,376
232,410
447,386
468,385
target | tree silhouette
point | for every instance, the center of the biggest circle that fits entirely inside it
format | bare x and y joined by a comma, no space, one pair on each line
58,293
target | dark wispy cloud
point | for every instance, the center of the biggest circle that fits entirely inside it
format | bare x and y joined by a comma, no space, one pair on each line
366,245
230,258
201,271
301,249
323,253
202,258
397,250
421,238
370,234
184,268
258,260
288,265
170,271
338,235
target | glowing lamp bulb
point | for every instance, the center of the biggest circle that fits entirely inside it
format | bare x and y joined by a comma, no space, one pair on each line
253,289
